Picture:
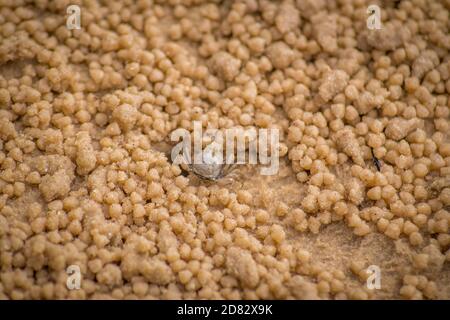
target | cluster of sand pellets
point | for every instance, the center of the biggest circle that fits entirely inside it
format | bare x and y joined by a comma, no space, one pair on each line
86,180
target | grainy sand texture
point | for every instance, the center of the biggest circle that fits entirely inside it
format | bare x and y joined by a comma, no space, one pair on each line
87,182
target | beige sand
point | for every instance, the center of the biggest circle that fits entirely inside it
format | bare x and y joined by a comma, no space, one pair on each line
85,119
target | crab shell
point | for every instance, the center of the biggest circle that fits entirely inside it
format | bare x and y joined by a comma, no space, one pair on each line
211,167
208,171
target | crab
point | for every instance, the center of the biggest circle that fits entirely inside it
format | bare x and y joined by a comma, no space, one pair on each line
212,166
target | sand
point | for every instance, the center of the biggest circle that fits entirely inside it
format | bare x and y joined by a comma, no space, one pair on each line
87,182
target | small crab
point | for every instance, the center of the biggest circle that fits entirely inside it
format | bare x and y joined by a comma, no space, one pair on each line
211,167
